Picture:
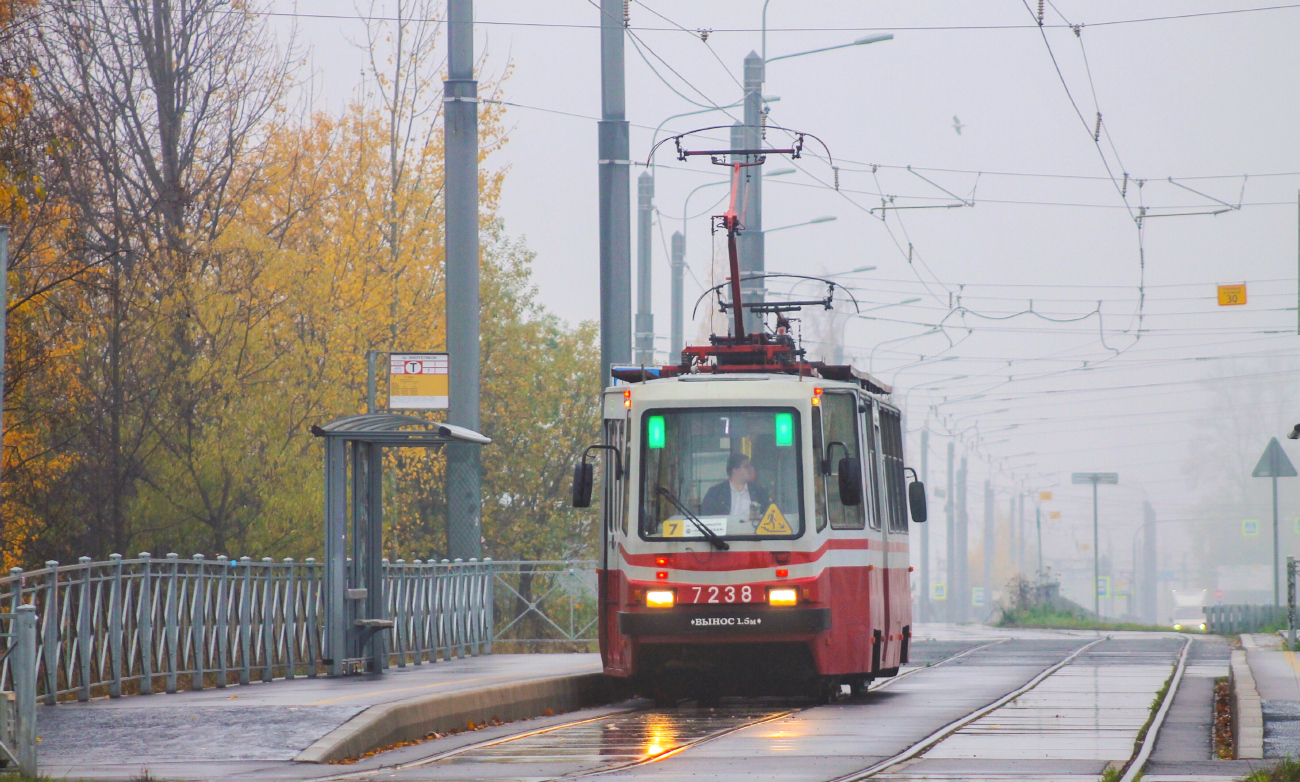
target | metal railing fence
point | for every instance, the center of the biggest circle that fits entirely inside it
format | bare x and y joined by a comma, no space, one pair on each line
126,626
18,708
1234,619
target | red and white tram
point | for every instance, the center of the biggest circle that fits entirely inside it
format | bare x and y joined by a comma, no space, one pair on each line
755,514
755,538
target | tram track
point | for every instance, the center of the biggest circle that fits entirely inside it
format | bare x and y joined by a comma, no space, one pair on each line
1133,770
609,720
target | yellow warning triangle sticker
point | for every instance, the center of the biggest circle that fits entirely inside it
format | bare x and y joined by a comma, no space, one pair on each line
774,523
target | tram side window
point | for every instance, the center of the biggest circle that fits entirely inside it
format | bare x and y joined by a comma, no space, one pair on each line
840,439
873,501
819,485
891,433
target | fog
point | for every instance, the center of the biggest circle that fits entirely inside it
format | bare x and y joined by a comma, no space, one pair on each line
1065,321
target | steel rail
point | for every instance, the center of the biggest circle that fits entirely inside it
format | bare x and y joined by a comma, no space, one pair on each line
961,722
714,736
1149,741
477,745
449,753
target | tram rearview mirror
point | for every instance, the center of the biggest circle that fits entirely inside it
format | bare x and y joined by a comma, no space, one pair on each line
916,499
850,481
583,473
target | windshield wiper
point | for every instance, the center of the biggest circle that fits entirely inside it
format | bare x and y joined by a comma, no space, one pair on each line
709,534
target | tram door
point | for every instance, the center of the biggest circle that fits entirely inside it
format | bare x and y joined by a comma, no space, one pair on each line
895,486
880,536
613,530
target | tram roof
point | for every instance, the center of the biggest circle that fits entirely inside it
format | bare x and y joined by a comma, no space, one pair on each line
828,372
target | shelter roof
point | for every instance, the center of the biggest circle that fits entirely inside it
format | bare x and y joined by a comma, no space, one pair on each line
397,429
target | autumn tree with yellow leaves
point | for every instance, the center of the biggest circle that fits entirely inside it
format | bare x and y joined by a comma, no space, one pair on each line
209,278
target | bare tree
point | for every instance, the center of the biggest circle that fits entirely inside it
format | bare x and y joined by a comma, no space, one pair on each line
401,50
164,103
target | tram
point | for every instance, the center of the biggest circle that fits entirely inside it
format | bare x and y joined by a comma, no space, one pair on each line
754,511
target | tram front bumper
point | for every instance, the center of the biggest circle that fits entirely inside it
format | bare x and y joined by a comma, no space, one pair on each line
732,620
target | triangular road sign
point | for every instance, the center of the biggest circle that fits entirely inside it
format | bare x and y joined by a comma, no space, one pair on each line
1274,464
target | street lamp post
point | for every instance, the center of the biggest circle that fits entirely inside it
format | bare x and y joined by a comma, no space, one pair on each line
1095,478
752,248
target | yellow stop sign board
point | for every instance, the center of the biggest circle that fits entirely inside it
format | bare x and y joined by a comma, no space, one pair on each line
1232,295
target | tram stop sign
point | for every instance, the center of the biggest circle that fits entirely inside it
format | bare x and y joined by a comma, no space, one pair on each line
1274,464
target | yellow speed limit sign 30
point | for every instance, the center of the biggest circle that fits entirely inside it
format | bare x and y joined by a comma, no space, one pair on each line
1232,295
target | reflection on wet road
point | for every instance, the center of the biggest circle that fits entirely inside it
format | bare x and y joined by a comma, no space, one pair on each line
615,741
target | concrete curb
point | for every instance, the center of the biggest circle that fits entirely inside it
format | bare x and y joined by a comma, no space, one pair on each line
408,720
1247,711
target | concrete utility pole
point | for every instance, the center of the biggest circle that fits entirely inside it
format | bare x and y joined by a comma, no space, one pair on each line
1150,572
751,245
990,545
677,339
949,510
924,531
460,107
645,319
614,182
963,560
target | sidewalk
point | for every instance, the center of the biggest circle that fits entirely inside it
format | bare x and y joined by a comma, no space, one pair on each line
257,728
1277,677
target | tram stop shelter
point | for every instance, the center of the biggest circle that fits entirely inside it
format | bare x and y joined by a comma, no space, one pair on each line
354,607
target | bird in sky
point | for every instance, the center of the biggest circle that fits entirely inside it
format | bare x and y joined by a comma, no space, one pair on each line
956,124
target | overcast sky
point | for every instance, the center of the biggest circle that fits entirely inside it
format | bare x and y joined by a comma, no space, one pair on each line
1205,100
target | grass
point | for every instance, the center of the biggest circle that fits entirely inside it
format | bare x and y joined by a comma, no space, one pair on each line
1287,770
1048,617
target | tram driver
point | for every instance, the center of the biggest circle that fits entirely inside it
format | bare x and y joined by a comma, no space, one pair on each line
740,496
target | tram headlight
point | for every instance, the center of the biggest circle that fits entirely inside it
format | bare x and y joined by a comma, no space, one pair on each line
660,598
782,596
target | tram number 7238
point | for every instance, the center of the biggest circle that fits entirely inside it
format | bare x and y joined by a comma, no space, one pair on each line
721,594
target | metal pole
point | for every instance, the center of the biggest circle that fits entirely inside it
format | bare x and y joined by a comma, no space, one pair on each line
1290,603
963,560
1276,599
1020,535
460,91
752,259
1038,522
1096,560
925,531
24,676
1150,576
613,173
4,317
990,543
645,319
949,509
677,340
371,355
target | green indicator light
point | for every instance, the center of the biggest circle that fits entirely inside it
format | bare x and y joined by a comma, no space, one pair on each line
784,429
655,436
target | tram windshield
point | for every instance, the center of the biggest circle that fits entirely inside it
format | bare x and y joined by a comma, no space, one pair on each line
736,470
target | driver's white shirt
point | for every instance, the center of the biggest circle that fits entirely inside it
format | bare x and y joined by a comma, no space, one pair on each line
739,502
